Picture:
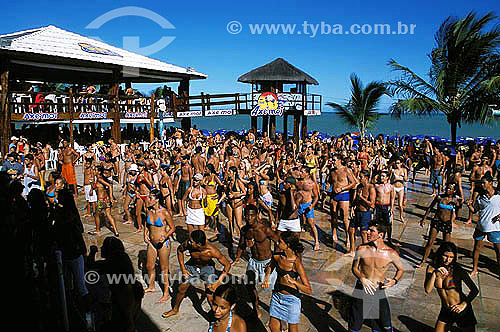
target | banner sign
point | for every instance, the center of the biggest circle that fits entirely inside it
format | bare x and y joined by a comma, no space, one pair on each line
134,115
93,115
219,112
312,112
268,104
40,116
189,114
288,100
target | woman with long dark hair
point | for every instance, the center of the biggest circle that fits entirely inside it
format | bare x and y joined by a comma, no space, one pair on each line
447,276
443,219
292,279
159,228
226,320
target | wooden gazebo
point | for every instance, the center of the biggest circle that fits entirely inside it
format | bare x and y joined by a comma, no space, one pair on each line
51,54
268,83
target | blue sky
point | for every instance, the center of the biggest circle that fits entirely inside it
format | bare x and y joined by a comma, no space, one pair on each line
203,42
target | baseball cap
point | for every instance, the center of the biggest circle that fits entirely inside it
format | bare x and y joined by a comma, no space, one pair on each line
133,167
198,177
14,138
291,180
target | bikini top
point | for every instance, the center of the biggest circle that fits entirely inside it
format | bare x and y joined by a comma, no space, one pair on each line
446,207
211,327
281,272
195,199
157,223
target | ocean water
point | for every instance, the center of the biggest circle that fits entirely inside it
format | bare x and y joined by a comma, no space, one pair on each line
332,124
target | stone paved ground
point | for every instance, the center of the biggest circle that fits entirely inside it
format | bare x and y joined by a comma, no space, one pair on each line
331,278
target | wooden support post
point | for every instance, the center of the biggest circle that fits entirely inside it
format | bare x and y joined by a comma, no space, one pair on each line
265,124
115,130
4,109
202,104
152,120
71,140
183,92
296,126
272,126
285,128
253,123
303,130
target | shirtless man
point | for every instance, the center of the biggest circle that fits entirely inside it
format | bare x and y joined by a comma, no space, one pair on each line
341,180
364,203
477,172
370,265
288,215
115,156
437,170
199,161
257,237
103,202
199,266
88,186
309,190
384,202
69,158
428,151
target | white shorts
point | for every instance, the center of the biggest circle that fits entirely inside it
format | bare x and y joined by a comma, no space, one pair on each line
88,197
195,217
289,225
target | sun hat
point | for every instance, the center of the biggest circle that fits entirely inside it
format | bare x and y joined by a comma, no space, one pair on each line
133,167
198,177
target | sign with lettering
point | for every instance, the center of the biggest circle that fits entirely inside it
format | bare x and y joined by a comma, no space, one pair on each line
40,116
135,115
312,112
288,100
268,104
93,115
189,114
219,112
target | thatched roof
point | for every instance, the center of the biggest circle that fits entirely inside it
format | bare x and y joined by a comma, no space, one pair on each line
277,70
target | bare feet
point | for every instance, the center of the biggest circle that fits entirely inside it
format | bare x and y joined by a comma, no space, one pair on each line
454,225
316,247
170,313
138,230
86,215
164,298
349,254
95,233
149,290
468,222
403,220
419,265
473,273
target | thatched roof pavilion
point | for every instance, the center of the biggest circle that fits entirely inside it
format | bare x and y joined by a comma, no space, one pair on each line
278,70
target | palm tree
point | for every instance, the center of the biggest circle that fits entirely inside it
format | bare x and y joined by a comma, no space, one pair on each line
361,110
463,77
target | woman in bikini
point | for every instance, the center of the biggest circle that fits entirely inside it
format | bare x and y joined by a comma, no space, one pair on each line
292,280
159,228
144,183
211,182
226,320
399,177
235,192
166,187
196,198
130,190
443,219
447,276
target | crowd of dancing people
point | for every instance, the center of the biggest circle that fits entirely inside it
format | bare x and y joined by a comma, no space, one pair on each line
249,192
